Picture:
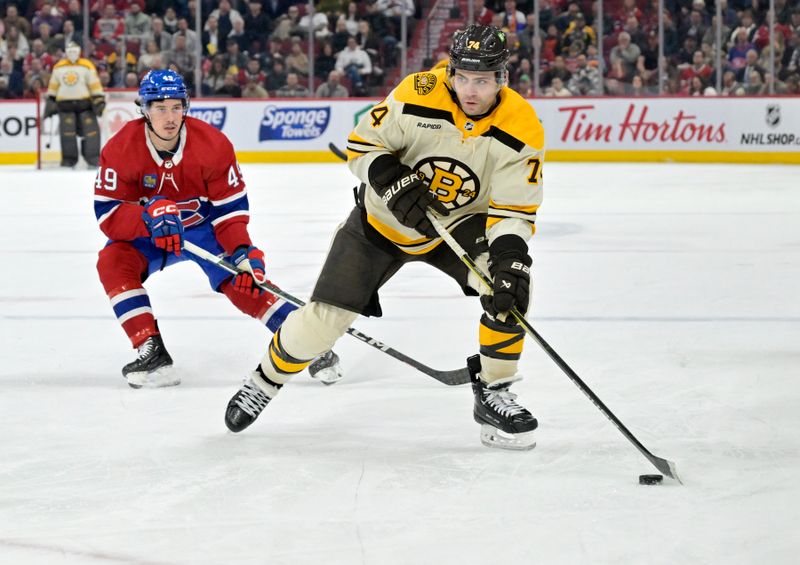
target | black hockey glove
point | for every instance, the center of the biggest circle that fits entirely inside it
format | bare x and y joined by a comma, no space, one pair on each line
50,108
98,105
408,199
510,267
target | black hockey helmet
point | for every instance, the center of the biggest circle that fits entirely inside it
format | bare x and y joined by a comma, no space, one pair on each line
479,48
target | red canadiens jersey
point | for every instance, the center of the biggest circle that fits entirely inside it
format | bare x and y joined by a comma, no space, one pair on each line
203,178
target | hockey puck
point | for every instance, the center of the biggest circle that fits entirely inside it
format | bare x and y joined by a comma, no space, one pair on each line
650,479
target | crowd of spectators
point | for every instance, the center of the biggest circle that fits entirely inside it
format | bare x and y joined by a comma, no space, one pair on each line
259,48
570,41
250,48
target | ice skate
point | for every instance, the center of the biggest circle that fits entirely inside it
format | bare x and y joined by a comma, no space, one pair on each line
153,367
504,423
250,401
326,368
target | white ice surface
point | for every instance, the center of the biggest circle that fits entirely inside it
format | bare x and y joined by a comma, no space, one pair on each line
671,290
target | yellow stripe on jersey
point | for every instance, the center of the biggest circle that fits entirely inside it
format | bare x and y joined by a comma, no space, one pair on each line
523,209
358,146
492,220
394,235
80,62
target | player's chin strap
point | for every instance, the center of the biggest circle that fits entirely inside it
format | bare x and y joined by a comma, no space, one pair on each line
665,466
454,377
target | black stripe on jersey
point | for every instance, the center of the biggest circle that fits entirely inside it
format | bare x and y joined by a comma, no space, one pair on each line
530,219
505,138
425,112
351,140
349,148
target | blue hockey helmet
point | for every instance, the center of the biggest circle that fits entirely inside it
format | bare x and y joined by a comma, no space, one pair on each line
162,85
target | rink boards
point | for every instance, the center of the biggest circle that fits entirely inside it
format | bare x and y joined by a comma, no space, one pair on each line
705,129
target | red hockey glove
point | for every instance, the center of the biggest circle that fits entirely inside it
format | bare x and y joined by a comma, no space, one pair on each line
251,260
164,224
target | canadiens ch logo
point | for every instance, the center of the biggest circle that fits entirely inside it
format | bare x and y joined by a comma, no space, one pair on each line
453,182
424,83
149,181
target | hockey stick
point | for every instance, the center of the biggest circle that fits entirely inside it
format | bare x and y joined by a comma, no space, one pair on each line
338,152
50,135
452,378
665,466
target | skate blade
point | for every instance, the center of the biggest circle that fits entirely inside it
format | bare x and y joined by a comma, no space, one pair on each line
327,375
492,437
160,378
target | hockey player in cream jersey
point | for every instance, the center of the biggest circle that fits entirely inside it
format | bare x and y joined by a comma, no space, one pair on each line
458,142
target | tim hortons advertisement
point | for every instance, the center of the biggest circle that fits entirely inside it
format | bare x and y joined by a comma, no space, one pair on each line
679,124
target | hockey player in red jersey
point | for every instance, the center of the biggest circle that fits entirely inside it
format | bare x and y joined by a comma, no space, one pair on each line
165,178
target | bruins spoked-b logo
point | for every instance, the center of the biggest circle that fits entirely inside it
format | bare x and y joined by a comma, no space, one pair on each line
424,83
453,183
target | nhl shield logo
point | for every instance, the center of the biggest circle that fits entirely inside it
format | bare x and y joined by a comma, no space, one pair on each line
424,83
773,115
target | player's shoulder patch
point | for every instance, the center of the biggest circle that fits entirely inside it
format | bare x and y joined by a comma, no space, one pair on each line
424,88
424,83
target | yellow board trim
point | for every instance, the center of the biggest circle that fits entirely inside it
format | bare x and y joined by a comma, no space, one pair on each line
594,156
672,156
23,158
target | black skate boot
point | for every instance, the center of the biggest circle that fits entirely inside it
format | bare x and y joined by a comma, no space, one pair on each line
326,368
153,366
504,423
250,401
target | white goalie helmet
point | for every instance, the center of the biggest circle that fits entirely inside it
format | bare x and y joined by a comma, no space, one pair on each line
73,51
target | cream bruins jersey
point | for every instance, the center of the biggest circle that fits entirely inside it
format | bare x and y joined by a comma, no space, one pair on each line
491,166
74,81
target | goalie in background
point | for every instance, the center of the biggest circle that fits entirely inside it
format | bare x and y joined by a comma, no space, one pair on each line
76,95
